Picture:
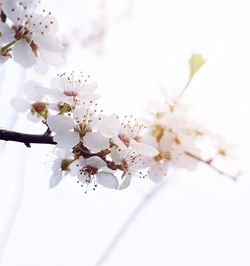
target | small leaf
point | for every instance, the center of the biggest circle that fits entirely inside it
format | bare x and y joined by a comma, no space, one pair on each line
195,63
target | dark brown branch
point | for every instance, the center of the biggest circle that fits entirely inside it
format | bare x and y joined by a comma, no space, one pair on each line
27,139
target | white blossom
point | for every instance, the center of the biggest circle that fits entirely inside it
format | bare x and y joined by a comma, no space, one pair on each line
33,104
73,89
28,35
60,167
89,171
125,134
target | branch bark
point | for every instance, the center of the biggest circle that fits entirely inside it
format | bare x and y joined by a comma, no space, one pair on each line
26,139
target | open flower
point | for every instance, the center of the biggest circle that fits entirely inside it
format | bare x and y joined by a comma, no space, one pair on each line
125,134
29,37
60,167
130,164
33,103
72,130
90,171
73,89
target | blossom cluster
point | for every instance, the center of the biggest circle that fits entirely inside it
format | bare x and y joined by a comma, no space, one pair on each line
28,35
95,147
107,149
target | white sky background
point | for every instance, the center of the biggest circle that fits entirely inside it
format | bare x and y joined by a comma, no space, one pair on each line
199,218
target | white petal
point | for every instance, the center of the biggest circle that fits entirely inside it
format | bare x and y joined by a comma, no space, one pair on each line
54,59
57,83
34,117
66,140
95,161
55,179
95,141
3,59
6,33
87,88
48,42
126,182
157,172
107,180
23,55
116,157
144,149
74,168
34,91
40,66
49,21
60,122
108,125
20,104
119,142
11,10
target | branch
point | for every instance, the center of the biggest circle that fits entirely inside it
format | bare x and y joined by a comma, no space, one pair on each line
209,163
27,139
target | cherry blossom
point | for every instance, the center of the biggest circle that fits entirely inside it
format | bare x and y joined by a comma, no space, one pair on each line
72,89
89,171
61,166
125,133
29,37
33,104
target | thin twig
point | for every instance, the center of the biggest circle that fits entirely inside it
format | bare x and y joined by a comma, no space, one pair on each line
210,163
128,223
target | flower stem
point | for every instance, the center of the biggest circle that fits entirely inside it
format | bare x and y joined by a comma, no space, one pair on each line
7,46
210,163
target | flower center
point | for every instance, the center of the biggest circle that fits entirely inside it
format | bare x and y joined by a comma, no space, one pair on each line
39,107
124,165
23,32
124,139
91,170
70,93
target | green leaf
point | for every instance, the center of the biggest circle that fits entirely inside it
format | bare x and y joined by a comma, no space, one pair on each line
195,63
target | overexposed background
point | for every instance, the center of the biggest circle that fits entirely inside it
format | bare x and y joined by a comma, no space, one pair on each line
139,46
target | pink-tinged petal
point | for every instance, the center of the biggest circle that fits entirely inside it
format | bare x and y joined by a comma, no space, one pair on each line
55,179
20,104
58,123
126,182
95,161
23,55
108,125
107,180
34,91
95,141
66,140
144,149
